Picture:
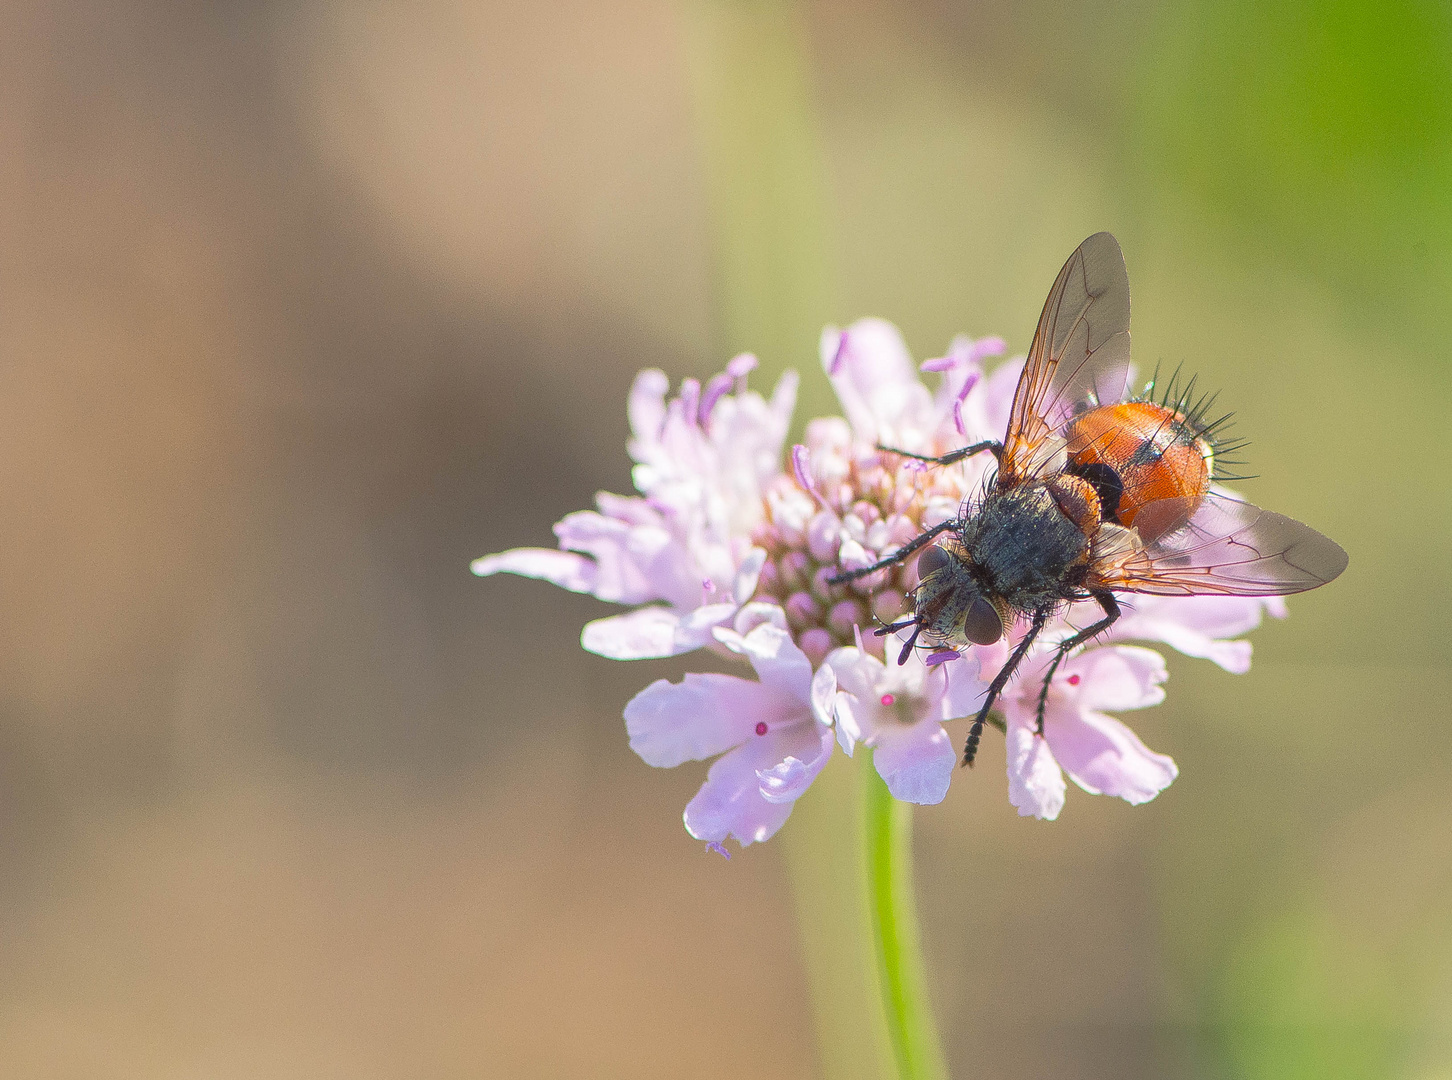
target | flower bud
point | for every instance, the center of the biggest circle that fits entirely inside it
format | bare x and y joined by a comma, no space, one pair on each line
802,611
846,614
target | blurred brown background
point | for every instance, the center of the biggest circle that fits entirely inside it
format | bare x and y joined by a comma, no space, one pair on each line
303,306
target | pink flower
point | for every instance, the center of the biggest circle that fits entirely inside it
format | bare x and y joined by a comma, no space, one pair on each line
730,546
899,710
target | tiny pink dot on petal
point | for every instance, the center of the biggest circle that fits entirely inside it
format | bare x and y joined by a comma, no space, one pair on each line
761,728
888,699
1073,680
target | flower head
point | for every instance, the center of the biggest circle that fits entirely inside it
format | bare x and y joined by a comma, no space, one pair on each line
732,542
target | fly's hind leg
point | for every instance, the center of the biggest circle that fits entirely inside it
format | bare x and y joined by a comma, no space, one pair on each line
898,556
952,456
1111,616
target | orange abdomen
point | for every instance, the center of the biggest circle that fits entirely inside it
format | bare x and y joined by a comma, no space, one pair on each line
1145,451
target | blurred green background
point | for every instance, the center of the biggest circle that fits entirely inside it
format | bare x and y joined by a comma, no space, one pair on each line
303,306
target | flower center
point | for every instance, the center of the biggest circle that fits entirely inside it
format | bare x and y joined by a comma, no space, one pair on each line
841,508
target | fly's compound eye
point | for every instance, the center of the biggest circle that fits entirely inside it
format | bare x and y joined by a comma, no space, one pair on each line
981,625
932,560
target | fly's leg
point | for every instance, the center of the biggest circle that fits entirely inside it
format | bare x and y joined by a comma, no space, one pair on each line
883,631
970,751
1111,615
953,456
898,556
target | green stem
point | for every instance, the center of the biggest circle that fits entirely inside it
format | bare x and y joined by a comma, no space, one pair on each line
887,837
825,859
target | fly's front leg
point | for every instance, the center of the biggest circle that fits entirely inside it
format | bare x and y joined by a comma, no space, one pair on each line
970,751
898,556
952,456
1111,616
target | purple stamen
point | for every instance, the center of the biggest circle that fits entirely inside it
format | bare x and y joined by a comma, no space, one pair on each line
720,849
740,366
715,390
839,356
967,388
942,363
942,656
968,384
985,347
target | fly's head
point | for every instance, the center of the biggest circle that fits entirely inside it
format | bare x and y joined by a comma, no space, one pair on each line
949,603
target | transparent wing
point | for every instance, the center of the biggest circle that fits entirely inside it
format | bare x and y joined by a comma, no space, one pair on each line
1080,354
1227,547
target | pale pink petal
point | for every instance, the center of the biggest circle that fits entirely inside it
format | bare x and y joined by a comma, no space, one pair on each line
784,402
857,672
562,568
757,612
626,556
1196,625
1104,757
788,780
644,634
915,760
697,626
1101,754
849,726
829,438
747,575
1035,781
730,802
704,715
873,375
824,694
1215,616
634,563
630,509
647,410
778,662
1112,677
1233,656
967,680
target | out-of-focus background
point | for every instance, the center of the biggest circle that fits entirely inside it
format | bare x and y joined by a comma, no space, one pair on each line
304,305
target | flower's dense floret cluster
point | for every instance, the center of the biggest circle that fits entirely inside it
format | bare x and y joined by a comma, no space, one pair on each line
730,546
845,507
